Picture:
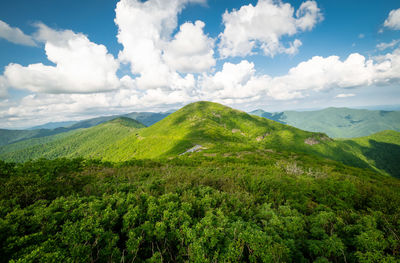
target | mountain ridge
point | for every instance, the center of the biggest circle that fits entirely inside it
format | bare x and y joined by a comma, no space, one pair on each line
338,122
218,129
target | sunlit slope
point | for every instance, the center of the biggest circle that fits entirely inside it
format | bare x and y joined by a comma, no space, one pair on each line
91,142
215,127
210,129
220,129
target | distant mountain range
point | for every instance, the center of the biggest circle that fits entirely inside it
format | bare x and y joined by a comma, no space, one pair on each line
338,122
53,128
211,129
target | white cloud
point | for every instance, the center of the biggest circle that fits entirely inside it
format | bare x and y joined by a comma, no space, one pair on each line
191,51
233,82
81,66
345,95
145,30
361,36
240,81
387,68
3,87
161,63
263,25
383,46
15,35
393,20
321,73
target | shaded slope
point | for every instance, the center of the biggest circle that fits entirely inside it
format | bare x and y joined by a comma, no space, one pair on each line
381,150
338,122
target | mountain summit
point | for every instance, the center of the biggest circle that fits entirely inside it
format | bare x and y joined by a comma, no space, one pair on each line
209,129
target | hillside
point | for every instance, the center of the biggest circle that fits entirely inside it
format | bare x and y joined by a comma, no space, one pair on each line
381,150
214,127
53,125
48,129
206,128
12,136
147,118
90,142
206,184
338,122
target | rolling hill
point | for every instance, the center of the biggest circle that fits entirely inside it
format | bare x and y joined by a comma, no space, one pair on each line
53,125
338,122
90,142
48,129
210,129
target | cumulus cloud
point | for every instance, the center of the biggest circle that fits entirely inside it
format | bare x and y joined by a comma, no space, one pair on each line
145,29
191,51
393,20
345,95
262,26
163,64
383,46
240,81
235,82
321,73
15,35
80,65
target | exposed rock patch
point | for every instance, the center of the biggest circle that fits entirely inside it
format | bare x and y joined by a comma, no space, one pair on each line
261,137
311,141
216,115
195,148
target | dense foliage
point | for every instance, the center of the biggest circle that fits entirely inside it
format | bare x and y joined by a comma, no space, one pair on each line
242,207
338,122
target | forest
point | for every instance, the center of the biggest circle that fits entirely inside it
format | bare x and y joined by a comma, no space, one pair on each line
264,207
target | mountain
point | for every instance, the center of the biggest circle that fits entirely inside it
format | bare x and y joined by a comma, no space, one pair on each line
90,142
53,125
147,118
206,184
338,122
13,136
208,128
381,150
53,128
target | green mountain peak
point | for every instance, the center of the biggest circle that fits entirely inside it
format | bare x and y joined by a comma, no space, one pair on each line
125,121
209,128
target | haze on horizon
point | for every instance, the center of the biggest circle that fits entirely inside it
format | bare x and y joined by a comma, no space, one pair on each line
70,60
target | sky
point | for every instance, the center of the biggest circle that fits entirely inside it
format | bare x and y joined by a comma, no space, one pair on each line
71,60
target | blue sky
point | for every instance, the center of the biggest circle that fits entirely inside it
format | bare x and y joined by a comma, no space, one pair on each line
263,61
